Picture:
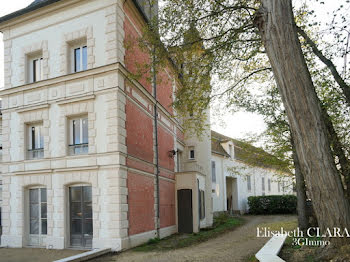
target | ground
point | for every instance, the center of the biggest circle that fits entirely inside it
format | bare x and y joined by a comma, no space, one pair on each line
236,245
34,254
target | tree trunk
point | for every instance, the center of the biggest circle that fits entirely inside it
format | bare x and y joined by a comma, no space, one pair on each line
278,31
303,220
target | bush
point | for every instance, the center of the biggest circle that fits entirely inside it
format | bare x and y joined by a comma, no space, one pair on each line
267,205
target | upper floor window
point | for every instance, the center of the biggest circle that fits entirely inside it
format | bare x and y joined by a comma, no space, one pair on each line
191,153
263,183
35,68
179,160
230,151
249,183
269,184
35,141
213,172
79,138
80,58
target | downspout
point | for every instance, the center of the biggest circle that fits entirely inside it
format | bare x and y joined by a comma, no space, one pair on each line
154,87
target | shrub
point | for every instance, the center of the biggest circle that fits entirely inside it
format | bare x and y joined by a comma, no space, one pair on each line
266,205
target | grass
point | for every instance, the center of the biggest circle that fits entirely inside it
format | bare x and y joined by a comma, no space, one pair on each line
222,224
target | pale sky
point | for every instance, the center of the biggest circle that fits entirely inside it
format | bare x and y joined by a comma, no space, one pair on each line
236,125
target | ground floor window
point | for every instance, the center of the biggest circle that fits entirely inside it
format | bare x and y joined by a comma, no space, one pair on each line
37,216
81,222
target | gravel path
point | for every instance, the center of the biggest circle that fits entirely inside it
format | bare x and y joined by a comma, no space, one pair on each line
236,245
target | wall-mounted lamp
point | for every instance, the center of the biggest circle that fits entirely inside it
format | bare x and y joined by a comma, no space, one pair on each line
172,153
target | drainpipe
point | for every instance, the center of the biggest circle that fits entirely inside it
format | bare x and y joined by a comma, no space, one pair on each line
154,87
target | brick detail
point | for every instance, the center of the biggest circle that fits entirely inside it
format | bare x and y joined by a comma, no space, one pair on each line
139,135
141,203
69,39
167,203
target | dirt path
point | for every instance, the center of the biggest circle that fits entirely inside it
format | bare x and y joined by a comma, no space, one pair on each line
232,246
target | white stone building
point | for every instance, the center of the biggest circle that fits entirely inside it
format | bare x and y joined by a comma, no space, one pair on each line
79,159
235,178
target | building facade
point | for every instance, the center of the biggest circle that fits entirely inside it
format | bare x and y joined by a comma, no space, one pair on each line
235,177
87,162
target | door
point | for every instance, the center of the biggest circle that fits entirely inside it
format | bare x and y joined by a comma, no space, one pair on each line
81,230
184,213
37,217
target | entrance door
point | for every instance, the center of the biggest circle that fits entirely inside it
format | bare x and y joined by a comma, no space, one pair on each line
37,217
184,213
81,231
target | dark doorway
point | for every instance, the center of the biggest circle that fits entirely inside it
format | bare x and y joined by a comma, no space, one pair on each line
81,230
184,206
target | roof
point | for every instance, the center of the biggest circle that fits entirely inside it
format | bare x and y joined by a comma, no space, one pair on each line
32,7
247,153
37,4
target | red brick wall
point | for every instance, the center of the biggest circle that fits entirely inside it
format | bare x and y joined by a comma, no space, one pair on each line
136,60
167,203
166,144
139,133
141,203
165,90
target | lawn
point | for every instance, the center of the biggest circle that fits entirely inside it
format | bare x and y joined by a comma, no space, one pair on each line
222,224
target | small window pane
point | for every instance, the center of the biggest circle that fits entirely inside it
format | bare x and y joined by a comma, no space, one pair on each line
43,195
34,211
77,60
75,193
76,132
88,227
37,70
87,193
43,210
76,226
85,131
84,58
88,210
76,210
34,195
44,227
34,226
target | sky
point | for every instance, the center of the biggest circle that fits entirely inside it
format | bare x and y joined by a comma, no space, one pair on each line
238,125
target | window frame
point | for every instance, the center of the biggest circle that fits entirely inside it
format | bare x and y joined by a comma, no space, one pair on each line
40,218
35,141
32,68
73,146
190,150
81,46
213,171
249,183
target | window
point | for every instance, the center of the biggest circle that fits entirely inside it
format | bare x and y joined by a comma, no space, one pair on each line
249,183
35,68
179,160
279,187
201,205
35,142
230,151
37,211
191,154
269,184
80,58
263,183
283,187
79,139
213,172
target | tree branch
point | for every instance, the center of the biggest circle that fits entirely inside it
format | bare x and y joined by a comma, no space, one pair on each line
345,87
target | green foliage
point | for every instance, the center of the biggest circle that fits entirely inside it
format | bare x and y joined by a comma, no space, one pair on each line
222,224
267,205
